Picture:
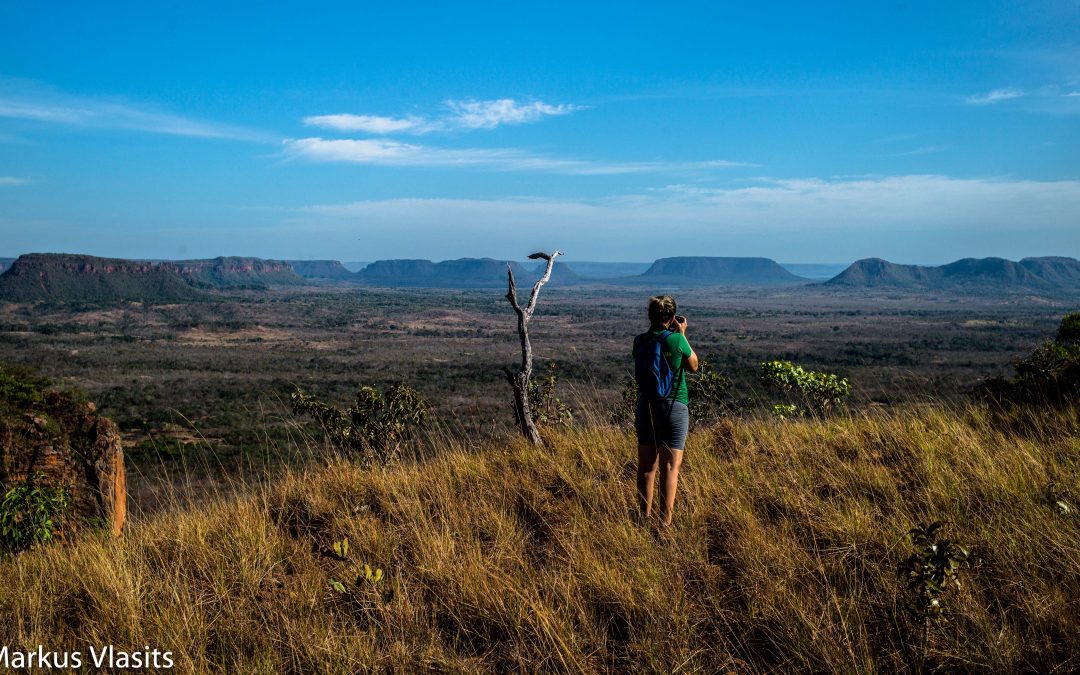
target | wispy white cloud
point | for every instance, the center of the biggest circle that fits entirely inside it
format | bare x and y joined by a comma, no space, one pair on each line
372,124
458,115
12,181
386,152
27,100
490,114
995,96
1051,99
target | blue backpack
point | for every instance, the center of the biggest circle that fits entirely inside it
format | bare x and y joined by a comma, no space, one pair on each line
655,379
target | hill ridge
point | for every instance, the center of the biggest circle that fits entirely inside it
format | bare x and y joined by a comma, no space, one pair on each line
1048,273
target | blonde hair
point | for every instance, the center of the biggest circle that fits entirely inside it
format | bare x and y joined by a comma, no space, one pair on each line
662,309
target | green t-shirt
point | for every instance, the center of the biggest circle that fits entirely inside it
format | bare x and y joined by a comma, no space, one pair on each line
675,348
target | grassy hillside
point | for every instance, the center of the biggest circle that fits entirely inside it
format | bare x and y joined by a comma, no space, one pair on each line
785,554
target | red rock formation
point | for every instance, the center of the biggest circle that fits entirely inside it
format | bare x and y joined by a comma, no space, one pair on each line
66,443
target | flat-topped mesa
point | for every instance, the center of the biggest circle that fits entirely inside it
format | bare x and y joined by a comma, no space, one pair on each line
62,277
720,270
398,269
65,277
37,263
234,272
321,269
1055,274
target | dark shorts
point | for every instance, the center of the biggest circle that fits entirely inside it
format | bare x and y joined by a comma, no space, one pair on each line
662,423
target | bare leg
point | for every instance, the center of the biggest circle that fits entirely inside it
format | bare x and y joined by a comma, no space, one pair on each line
670,461
646,472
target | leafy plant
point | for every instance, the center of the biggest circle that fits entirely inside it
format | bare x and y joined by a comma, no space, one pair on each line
547,408
1049,376
816,393
369,580
786,411
930,570
376,424
31,514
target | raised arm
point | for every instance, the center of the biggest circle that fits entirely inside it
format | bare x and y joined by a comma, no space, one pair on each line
691,358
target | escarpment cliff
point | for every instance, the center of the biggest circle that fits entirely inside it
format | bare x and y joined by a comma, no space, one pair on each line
68,278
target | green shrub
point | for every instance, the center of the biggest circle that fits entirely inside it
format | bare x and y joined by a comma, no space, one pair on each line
548,410
375,426
786,411
930,570
31,514
815,393
709,392
1069,330
1049,376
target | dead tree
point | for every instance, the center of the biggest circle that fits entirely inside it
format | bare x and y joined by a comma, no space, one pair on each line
520,380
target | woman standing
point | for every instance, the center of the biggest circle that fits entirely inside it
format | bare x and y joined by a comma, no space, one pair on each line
661,358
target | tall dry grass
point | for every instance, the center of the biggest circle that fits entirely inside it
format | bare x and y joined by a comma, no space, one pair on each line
784,556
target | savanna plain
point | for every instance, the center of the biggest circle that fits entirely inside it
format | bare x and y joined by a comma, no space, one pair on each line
255,545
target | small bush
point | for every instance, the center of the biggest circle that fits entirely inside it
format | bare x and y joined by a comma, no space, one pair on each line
815,393
1069,331
548,410
31,514
375,426
930,570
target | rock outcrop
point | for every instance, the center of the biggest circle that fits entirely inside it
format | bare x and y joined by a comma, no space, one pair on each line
55,439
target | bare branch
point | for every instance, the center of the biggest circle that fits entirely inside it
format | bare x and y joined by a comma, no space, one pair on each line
520,380
511,293
540,282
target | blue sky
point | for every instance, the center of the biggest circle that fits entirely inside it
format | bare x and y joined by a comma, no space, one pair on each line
917,132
